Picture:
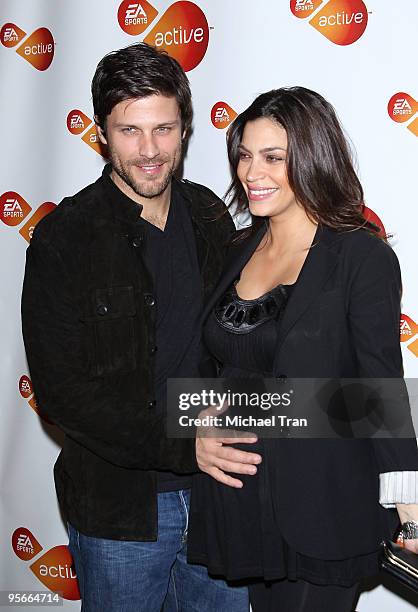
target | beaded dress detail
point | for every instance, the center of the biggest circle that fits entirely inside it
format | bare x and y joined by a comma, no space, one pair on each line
242,316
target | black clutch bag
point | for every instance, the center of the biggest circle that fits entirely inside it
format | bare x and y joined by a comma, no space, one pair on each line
400,563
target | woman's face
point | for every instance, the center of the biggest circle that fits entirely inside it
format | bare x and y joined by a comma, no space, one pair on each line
262,169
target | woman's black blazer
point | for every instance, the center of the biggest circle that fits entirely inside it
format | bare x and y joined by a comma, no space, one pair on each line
341,321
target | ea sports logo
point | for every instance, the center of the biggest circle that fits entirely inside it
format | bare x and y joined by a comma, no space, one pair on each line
222,115
11,35
408,330
13,208
135,17
38,49
26,391
342,22
135,14
24,544
402,108
25,386
76,123
303,5
302,8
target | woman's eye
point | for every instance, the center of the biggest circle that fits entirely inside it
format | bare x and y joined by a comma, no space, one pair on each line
244,156
273,158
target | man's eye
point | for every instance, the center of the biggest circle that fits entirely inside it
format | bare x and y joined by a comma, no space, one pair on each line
163,129
128,130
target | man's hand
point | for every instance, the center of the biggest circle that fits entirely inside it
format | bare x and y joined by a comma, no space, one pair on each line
214,458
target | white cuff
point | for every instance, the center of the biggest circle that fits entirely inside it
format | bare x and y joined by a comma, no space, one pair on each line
398,488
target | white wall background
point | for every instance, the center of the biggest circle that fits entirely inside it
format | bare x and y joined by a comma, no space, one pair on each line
253,47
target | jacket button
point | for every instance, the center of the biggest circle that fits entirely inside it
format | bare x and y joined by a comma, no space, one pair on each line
282,377
149,299
136,242
153,349
152,404
102,309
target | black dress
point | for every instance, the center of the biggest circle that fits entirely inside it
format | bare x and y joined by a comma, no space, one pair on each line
235,532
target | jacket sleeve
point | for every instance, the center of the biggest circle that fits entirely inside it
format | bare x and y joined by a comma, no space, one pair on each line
93,412
374,316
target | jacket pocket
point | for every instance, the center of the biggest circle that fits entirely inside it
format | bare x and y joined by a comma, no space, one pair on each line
110,326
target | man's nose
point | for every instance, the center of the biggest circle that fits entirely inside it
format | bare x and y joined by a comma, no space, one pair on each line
148,146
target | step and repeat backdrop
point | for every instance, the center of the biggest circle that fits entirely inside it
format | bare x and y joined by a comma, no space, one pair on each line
359,55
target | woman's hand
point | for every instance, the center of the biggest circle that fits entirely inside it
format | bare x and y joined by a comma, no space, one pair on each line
409,512
411,545
215,458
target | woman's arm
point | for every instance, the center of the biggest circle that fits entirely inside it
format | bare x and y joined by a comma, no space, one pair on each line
374,315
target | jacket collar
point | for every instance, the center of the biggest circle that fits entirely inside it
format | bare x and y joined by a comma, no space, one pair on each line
122,207
126,210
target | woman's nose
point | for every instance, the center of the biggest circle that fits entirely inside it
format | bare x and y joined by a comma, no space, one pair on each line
254,171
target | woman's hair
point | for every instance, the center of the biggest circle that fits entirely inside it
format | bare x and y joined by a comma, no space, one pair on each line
138,71
319,165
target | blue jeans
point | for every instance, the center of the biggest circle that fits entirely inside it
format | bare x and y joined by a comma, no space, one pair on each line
127,576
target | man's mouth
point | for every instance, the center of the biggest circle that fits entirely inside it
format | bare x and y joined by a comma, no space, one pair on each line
150,169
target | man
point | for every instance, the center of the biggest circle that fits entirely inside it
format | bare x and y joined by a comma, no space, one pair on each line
114,284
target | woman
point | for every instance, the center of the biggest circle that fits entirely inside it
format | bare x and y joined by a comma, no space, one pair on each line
310,291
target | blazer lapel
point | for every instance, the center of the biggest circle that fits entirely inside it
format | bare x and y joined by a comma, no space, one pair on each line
235,262
318,265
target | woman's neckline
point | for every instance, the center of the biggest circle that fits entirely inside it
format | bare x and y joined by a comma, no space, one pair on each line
282,287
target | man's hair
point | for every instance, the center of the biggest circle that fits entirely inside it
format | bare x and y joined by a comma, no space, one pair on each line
138,71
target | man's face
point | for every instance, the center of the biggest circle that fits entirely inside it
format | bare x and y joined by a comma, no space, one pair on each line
144,142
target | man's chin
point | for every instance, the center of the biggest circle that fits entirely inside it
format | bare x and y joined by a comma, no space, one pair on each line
149,195
145,188
150,191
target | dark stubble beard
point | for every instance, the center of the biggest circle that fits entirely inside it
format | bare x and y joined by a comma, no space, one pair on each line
151,188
